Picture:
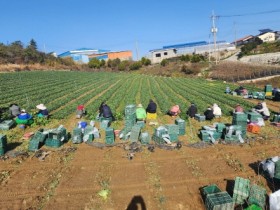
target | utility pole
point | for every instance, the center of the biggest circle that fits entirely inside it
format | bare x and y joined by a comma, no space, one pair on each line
214,31
235,34
136,46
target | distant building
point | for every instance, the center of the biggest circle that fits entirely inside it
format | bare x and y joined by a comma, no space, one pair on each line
157,55
267,36
122,55
81,55
243,40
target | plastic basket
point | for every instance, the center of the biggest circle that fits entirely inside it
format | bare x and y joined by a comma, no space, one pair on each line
241,190
33,145
145,138
39,136
6,124
240,116
257,196
172,129
2,151
277,170
53,143
219,201
109,139
253,116
3,141
135,133
130,109
210,190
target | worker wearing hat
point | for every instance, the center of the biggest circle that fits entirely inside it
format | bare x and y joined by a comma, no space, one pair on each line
43,112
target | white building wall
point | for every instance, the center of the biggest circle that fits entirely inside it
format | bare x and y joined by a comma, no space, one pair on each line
267,37
158,55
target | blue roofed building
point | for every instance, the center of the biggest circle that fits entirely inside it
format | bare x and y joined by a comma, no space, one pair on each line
201,47
81,55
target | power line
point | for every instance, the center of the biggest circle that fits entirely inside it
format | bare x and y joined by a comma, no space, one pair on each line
254,13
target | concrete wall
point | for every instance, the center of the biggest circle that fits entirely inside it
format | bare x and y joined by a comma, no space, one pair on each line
123,55
158,55
268,58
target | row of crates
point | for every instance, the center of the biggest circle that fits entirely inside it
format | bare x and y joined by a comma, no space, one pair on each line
53,138
243,192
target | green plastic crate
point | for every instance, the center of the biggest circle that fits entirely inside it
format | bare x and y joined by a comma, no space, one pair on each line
182,132
109,132
77,137
130,117
135,133
58,134
205,136
277,170
6,124
39,136
160,131
3,141
173,137
55,143
276,118
257,196
130,109
211,189
220,127
109,139
253,207
104,124
253,116
145,138
140,124
219,201
172,129
2,151
241,190
240,116
268,88
34,145
181,123
199,117
158,139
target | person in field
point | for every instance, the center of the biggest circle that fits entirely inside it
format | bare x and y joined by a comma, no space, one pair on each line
80,111
24,119
14,110
105,111
264,111
217,110
192,110
43,112
140,113
151,110
209,115
174,111
238,108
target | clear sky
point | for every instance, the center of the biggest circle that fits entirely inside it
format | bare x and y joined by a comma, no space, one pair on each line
62,25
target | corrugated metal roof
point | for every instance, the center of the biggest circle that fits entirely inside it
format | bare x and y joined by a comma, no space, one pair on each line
191,44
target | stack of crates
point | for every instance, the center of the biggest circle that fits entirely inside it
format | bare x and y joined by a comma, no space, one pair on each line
253,116
109,136
56,137
3,144
90,131
6,124
37,140
217,132
130,116
141,124
182,126
210,189
173,131
104,124
158,132
268,91
199,117
145,138
240,118
77,136
233,137
241,190
135,133
257,196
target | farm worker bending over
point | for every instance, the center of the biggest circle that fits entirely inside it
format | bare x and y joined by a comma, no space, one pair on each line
238,108
105,111
174,111
151,110
14,110
227,90
82,125
192,110
264,111
24,118
217,110
209,115
80,111
43,112
140,113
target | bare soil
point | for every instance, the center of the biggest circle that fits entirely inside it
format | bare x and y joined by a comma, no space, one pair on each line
71,176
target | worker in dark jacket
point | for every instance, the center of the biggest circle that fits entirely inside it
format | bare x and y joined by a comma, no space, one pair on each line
192,110
105,111
151,110
209,115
